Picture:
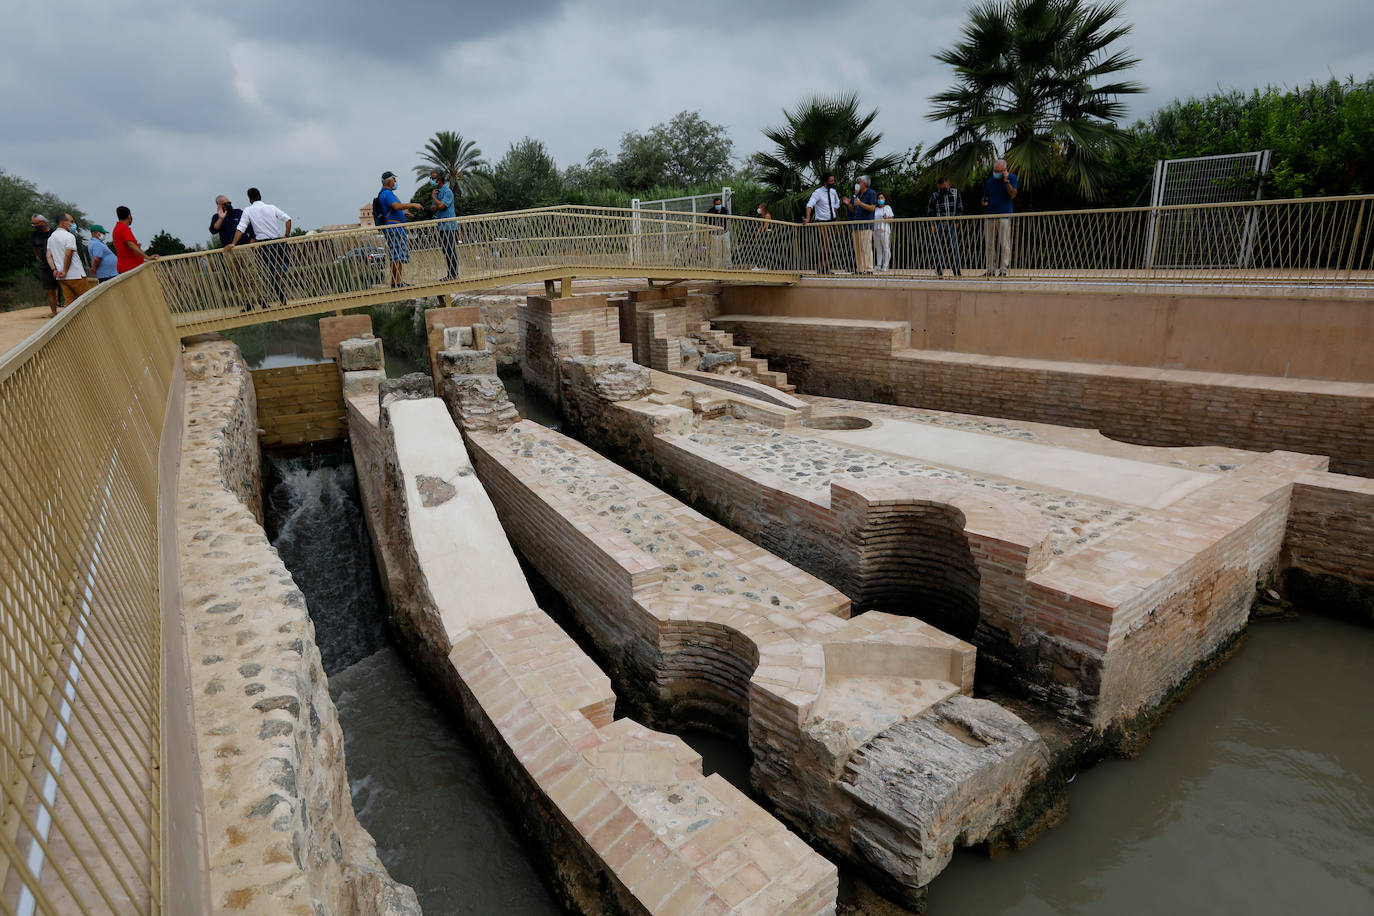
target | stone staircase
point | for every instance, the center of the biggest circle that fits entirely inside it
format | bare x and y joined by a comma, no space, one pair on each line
757,367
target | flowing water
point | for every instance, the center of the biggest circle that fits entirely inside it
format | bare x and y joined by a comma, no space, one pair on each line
416,779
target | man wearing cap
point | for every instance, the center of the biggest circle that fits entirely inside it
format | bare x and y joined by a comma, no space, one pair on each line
268,225
39,240
66,261
103,261
395,227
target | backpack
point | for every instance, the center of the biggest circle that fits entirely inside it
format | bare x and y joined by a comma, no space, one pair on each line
379,214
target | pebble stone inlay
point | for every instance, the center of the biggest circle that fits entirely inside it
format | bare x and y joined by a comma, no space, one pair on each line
812,463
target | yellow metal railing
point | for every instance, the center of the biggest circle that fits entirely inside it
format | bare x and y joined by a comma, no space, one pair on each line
82,409
1321,241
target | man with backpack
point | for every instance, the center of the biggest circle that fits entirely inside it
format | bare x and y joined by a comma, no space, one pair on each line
390,213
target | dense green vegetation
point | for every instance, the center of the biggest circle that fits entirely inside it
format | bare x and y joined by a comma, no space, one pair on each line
1038,82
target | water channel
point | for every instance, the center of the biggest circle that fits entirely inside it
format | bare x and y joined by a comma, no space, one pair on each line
1255,796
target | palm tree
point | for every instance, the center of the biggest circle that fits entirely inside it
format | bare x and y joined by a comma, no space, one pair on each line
1036,77
461,159
822,134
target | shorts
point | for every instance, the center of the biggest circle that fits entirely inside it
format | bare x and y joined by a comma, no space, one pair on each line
46,277
396,244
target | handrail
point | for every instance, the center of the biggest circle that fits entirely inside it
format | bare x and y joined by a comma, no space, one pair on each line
82,403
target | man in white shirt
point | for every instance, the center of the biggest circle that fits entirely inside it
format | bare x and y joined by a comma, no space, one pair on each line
270,226
66,261
823,207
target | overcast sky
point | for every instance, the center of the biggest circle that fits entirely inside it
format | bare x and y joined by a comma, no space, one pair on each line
160,105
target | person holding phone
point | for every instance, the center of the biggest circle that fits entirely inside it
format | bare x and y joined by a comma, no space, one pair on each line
998,193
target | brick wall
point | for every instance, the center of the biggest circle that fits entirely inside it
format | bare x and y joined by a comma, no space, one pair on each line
868,360
1329,550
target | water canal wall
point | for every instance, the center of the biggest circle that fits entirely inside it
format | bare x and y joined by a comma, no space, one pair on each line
281,832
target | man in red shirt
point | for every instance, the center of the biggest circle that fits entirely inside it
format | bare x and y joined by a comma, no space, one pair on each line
128,254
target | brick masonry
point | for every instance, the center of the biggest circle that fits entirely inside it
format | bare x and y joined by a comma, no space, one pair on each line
623,814
873,361
1103,628
702,627
1329,548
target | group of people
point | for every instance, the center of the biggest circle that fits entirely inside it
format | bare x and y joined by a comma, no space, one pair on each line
389,211
258,222
870,217
61,269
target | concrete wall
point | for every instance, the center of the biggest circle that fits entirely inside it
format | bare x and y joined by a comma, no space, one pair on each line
872,360
280,829
1319,338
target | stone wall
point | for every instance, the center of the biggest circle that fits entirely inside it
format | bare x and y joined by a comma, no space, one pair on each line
551,329
499,315
623,815
1329,549
872,361
281,832
1259,331
699,627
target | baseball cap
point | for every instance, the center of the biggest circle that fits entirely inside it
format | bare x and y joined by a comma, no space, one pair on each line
386,175
96,227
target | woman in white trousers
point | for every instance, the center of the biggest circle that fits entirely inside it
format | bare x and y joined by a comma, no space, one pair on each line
882,233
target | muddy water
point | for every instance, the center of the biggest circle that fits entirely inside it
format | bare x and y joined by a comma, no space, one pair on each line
416,779
1256,796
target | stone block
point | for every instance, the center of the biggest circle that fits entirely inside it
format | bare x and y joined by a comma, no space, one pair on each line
410,387
609,378
361,353
479,402
713,361
362,382
465,362
458,338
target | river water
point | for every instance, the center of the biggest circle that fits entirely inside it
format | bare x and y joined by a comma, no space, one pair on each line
1255,796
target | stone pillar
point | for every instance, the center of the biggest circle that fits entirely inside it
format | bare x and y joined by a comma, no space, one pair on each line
362,363
552,329
475,397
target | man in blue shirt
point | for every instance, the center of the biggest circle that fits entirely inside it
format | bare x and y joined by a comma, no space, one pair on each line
442,195
103,263
862,207
395,227
998,193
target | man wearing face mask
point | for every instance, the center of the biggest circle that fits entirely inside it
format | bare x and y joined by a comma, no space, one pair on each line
720,233
998,193
882,233
862,206
823,208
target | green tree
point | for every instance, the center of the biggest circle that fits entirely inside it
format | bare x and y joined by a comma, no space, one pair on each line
1039,80
821,134
598,171
1319,135
698,152
686,150
642,163
527,176
164,243
19,200
461,159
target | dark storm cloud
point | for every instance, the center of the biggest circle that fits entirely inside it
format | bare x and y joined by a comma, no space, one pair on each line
399,31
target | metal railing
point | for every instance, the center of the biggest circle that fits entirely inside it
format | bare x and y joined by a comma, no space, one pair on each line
1318,241
82,408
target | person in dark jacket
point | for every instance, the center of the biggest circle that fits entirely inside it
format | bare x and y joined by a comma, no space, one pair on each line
945,202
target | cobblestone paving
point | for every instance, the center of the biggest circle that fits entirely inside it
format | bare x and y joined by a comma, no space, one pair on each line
691,568
967,422
809,462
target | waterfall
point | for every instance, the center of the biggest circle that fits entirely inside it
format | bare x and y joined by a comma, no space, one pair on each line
316,524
